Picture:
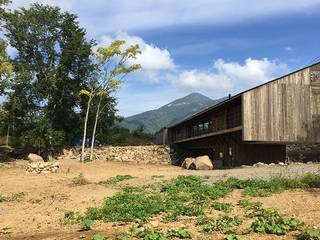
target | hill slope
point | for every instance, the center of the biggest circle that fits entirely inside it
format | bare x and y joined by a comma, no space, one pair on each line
173,112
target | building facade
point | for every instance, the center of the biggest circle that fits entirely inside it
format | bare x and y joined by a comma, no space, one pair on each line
255,125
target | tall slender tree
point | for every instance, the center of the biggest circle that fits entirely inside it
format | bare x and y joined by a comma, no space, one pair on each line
112,65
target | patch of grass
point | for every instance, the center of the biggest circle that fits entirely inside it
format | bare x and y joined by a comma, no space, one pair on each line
98,237
261,188
12,197
115,180
270,221
309,235
79,180
225,207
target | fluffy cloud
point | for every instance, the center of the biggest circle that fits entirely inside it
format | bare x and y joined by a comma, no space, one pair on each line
231,75
152,58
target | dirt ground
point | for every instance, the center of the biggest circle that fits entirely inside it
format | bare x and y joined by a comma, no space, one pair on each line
39,211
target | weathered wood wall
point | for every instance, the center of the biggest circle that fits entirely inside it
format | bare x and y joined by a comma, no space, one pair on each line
285,110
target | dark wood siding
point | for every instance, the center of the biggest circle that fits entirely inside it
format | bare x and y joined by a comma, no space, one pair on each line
286,110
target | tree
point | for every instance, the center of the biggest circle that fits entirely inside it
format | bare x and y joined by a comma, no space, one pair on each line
112,66
51,67
5,65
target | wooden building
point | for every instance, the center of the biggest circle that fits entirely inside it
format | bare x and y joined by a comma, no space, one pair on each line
255,125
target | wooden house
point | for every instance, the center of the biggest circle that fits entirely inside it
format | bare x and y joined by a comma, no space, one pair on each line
255,125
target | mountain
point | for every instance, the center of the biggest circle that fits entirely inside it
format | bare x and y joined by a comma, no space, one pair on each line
171,113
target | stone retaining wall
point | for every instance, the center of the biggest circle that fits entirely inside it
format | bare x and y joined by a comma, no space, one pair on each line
154,154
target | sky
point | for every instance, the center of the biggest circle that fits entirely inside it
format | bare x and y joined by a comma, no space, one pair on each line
214,47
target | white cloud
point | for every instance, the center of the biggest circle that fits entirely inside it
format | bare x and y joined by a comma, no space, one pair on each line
152,58
195,79
232,75
100,16
288,49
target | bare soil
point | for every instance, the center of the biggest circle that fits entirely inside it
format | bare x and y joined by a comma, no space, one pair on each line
39,212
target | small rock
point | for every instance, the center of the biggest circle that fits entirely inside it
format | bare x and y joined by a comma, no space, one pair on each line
34,158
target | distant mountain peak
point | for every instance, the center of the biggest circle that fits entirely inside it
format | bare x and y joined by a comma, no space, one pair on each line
173,112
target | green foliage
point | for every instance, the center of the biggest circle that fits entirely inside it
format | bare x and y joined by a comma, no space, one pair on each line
115,180
79,180
117,209
233,237
309,235
245,203
271,221
259,187
141,233
180,233
98,237
85,224
225,207
224,224
51,65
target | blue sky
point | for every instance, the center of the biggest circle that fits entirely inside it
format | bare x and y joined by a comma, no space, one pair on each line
214,47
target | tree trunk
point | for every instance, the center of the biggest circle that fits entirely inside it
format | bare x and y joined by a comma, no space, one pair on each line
85,130
95,128
7,139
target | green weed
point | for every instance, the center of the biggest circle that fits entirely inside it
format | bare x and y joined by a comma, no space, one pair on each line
245,203
309,235
180,233
13,197
233,237
271,221
115,180
224,224
98,237
85,224
225,207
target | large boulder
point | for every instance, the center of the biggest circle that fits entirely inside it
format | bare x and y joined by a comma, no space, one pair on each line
34,158
188,163
203,163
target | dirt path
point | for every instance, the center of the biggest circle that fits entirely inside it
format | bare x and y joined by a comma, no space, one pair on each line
38,211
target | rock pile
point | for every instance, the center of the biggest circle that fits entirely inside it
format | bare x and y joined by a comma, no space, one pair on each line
153,154
198,163
43,167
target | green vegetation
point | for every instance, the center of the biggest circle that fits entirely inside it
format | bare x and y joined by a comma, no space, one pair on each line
309,235
115,180
224,224
271,221
98,237
141,232
85,224
225,207
12,197
192,196
233,237
79,181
